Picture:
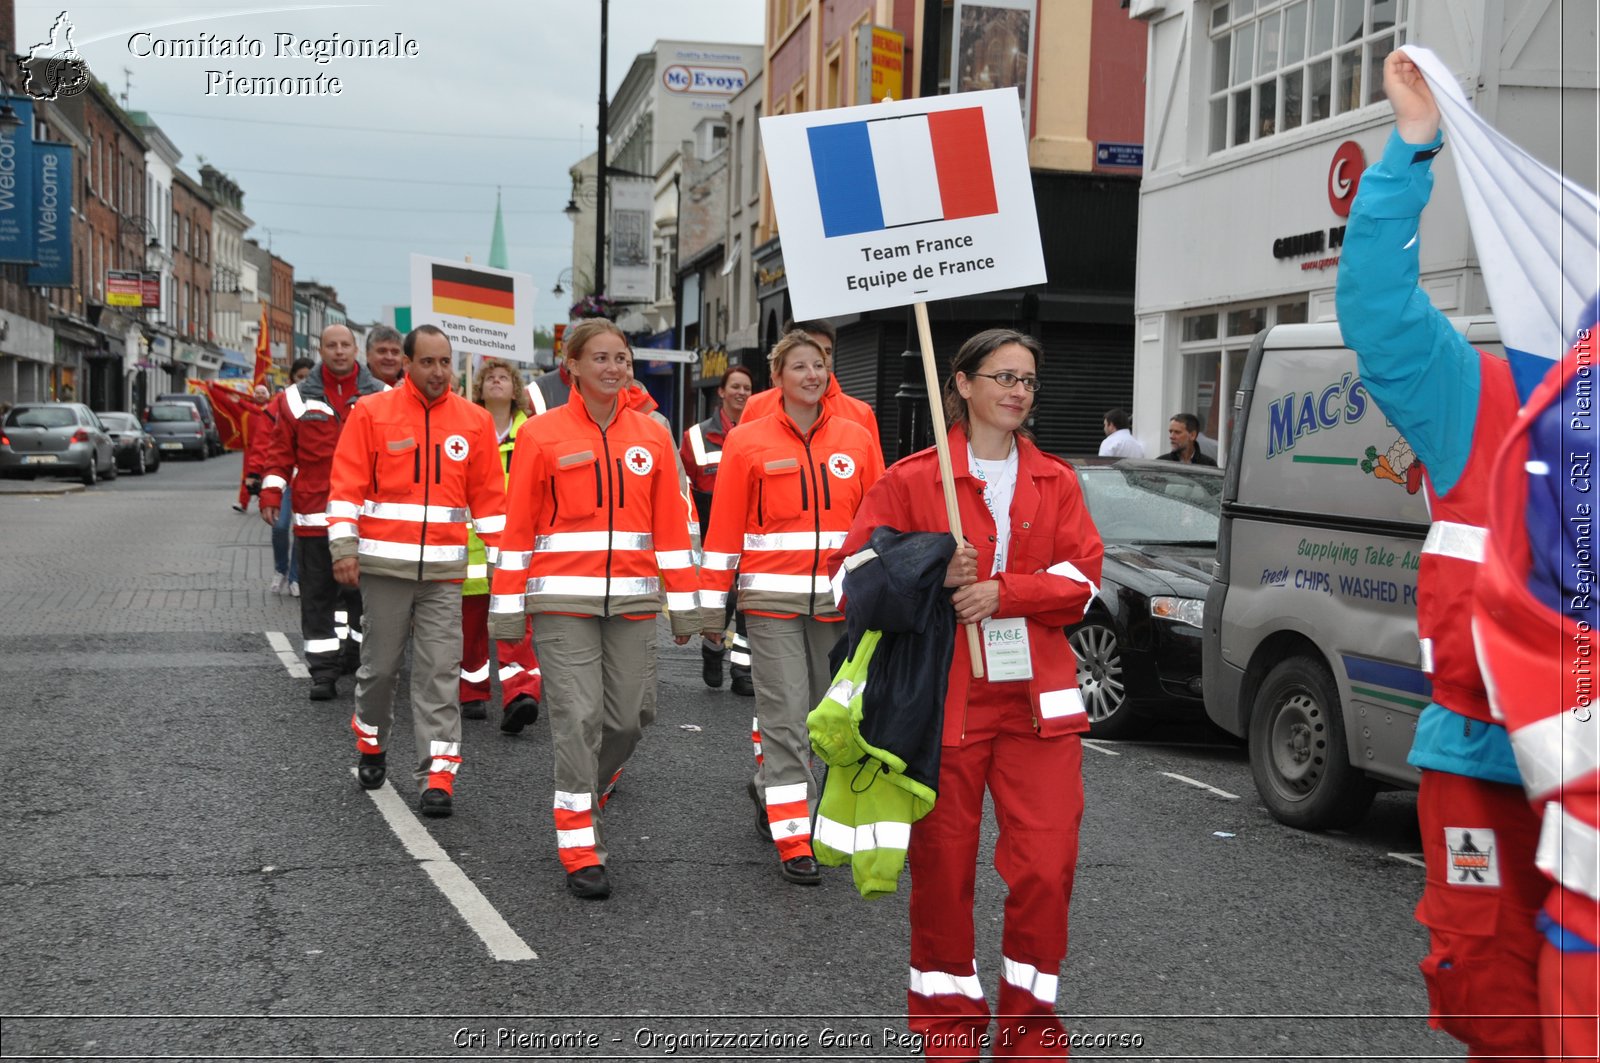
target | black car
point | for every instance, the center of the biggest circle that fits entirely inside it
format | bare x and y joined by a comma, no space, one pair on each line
136,449
1138,648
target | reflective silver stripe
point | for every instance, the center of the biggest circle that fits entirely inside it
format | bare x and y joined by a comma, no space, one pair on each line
477,571
713,599
412,551
274,481
786,794
740,658
300,406
592,586
311,520
851,563
355,634
444,749
1054,704
944,984
764,581
582,838
674,559
477,675
1425,652
697,443
795,541
682,601
412,512
365,730
842,691
1554,751
322,645
507,604
1069,570
338,510
511,560
1569,851
719,562
573,802
493,524
834,835
341,529
1464,542
1029,979
537,395
592,542
863,837
493,554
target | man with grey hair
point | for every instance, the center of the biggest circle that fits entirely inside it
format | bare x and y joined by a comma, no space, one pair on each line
386,359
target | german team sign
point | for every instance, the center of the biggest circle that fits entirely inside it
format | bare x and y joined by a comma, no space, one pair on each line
484,311
902,202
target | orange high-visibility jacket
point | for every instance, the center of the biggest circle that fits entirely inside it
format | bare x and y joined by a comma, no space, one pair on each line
784,501
834,400
407,474
595,523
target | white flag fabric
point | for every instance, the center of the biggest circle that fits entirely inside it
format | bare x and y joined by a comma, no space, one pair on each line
1537,233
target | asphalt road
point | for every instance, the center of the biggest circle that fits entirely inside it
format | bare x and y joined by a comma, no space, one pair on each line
192,872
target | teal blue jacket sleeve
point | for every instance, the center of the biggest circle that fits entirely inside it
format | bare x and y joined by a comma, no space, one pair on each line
1421,372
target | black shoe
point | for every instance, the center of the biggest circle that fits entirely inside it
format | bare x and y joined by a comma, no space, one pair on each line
590,883
523,710
711,665
744,686
323,689
801,870
763,824
371,771
435,802
474,710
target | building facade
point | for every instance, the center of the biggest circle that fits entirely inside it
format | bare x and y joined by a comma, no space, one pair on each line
229,223
156,366
194,351
1260,119
316,306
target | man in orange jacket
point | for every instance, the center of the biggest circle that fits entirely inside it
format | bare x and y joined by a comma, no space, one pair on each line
411,465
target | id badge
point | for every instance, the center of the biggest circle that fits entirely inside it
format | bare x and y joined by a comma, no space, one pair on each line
1005,650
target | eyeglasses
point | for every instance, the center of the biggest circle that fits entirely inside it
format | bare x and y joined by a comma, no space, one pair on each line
1010,380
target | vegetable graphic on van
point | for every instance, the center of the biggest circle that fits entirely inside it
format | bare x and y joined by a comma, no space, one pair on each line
1399,465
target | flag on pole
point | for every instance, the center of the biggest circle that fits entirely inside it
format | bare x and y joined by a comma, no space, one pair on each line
1537,233
263,352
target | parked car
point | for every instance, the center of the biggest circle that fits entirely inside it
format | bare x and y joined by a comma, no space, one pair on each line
1138,648
178,429
208,418
56,439
136,449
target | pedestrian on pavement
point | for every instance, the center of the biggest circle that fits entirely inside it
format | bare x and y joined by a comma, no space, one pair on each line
498,389
1030,567
1455,406
596,525
411,465
768,402
254,425
1183,431
701,454
285,553
386,359
314,413
787,489
1119,441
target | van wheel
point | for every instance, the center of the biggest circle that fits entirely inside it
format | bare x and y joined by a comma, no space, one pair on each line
1100,682
1298,753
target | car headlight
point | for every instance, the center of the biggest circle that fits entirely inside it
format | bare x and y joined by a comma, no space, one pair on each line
1189,611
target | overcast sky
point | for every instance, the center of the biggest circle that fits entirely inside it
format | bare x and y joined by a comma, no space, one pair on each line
408,156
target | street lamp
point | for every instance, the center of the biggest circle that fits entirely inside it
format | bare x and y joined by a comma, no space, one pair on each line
565,275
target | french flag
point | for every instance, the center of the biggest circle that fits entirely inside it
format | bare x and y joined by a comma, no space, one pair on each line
888,172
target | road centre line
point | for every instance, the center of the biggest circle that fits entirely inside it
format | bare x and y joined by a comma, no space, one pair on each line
285,651
481,916
1408,858
1204,786
1094,744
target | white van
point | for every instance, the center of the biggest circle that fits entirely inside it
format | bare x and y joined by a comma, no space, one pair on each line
1310,642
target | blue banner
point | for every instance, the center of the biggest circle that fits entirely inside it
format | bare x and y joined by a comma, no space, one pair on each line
17,215
52,215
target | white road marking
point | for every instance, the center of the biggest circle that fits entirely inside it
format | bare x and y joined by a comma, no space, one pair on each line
1408,858
285,651
1204,786
480,915
1094,744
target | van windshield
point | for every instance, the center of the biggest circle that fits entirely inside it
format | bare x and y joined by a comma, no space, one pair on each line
1145,505
173,412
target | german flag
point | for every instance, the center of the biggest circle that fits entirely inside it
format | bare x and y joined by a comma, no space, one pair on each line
469,293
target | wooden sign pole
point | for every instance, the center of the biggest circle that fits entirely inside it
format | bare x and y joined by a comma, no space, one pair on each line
947,476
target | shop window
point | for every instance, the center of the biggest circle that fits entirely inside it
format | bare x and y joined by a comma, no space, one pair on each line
1282,64
1199,327
1213,360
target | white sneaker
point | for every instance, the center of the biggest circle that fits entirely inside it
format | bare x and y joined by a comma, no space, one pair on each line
277,583
294,590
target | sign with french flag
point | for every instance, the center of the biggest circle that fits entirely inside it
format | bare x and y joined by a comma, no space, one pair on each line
902,202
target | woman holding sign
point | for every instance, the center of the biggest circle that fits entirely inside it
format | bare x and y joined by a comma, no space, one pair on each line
788,488
1031,567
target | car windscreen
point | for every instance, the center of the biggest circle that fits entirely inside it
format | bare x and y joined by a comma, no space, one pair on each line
173,412
1142,504
42,417
119,422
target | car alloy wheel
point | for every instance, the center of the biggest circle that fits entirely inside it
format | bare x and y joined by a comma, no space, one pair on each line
139,466
1100,684
91,475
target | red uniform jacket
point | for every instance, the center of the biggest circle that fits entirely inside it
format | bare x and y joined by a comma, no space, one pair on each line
302,446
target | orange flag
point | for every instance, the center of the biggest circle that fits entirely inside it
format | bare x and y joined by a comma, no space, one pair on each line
263,352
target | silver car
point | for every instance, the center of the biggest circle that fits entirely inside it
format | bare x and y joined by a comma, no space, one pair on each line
56,439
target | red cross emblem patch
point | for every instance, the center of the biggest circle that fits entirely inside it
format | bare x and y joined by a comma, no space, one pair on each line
639,461
455,448
842,466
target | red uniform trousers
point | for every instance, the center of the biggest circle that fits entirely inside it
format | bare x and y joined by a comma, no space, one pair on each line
1037,787
1569,992
519,668
1483,958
